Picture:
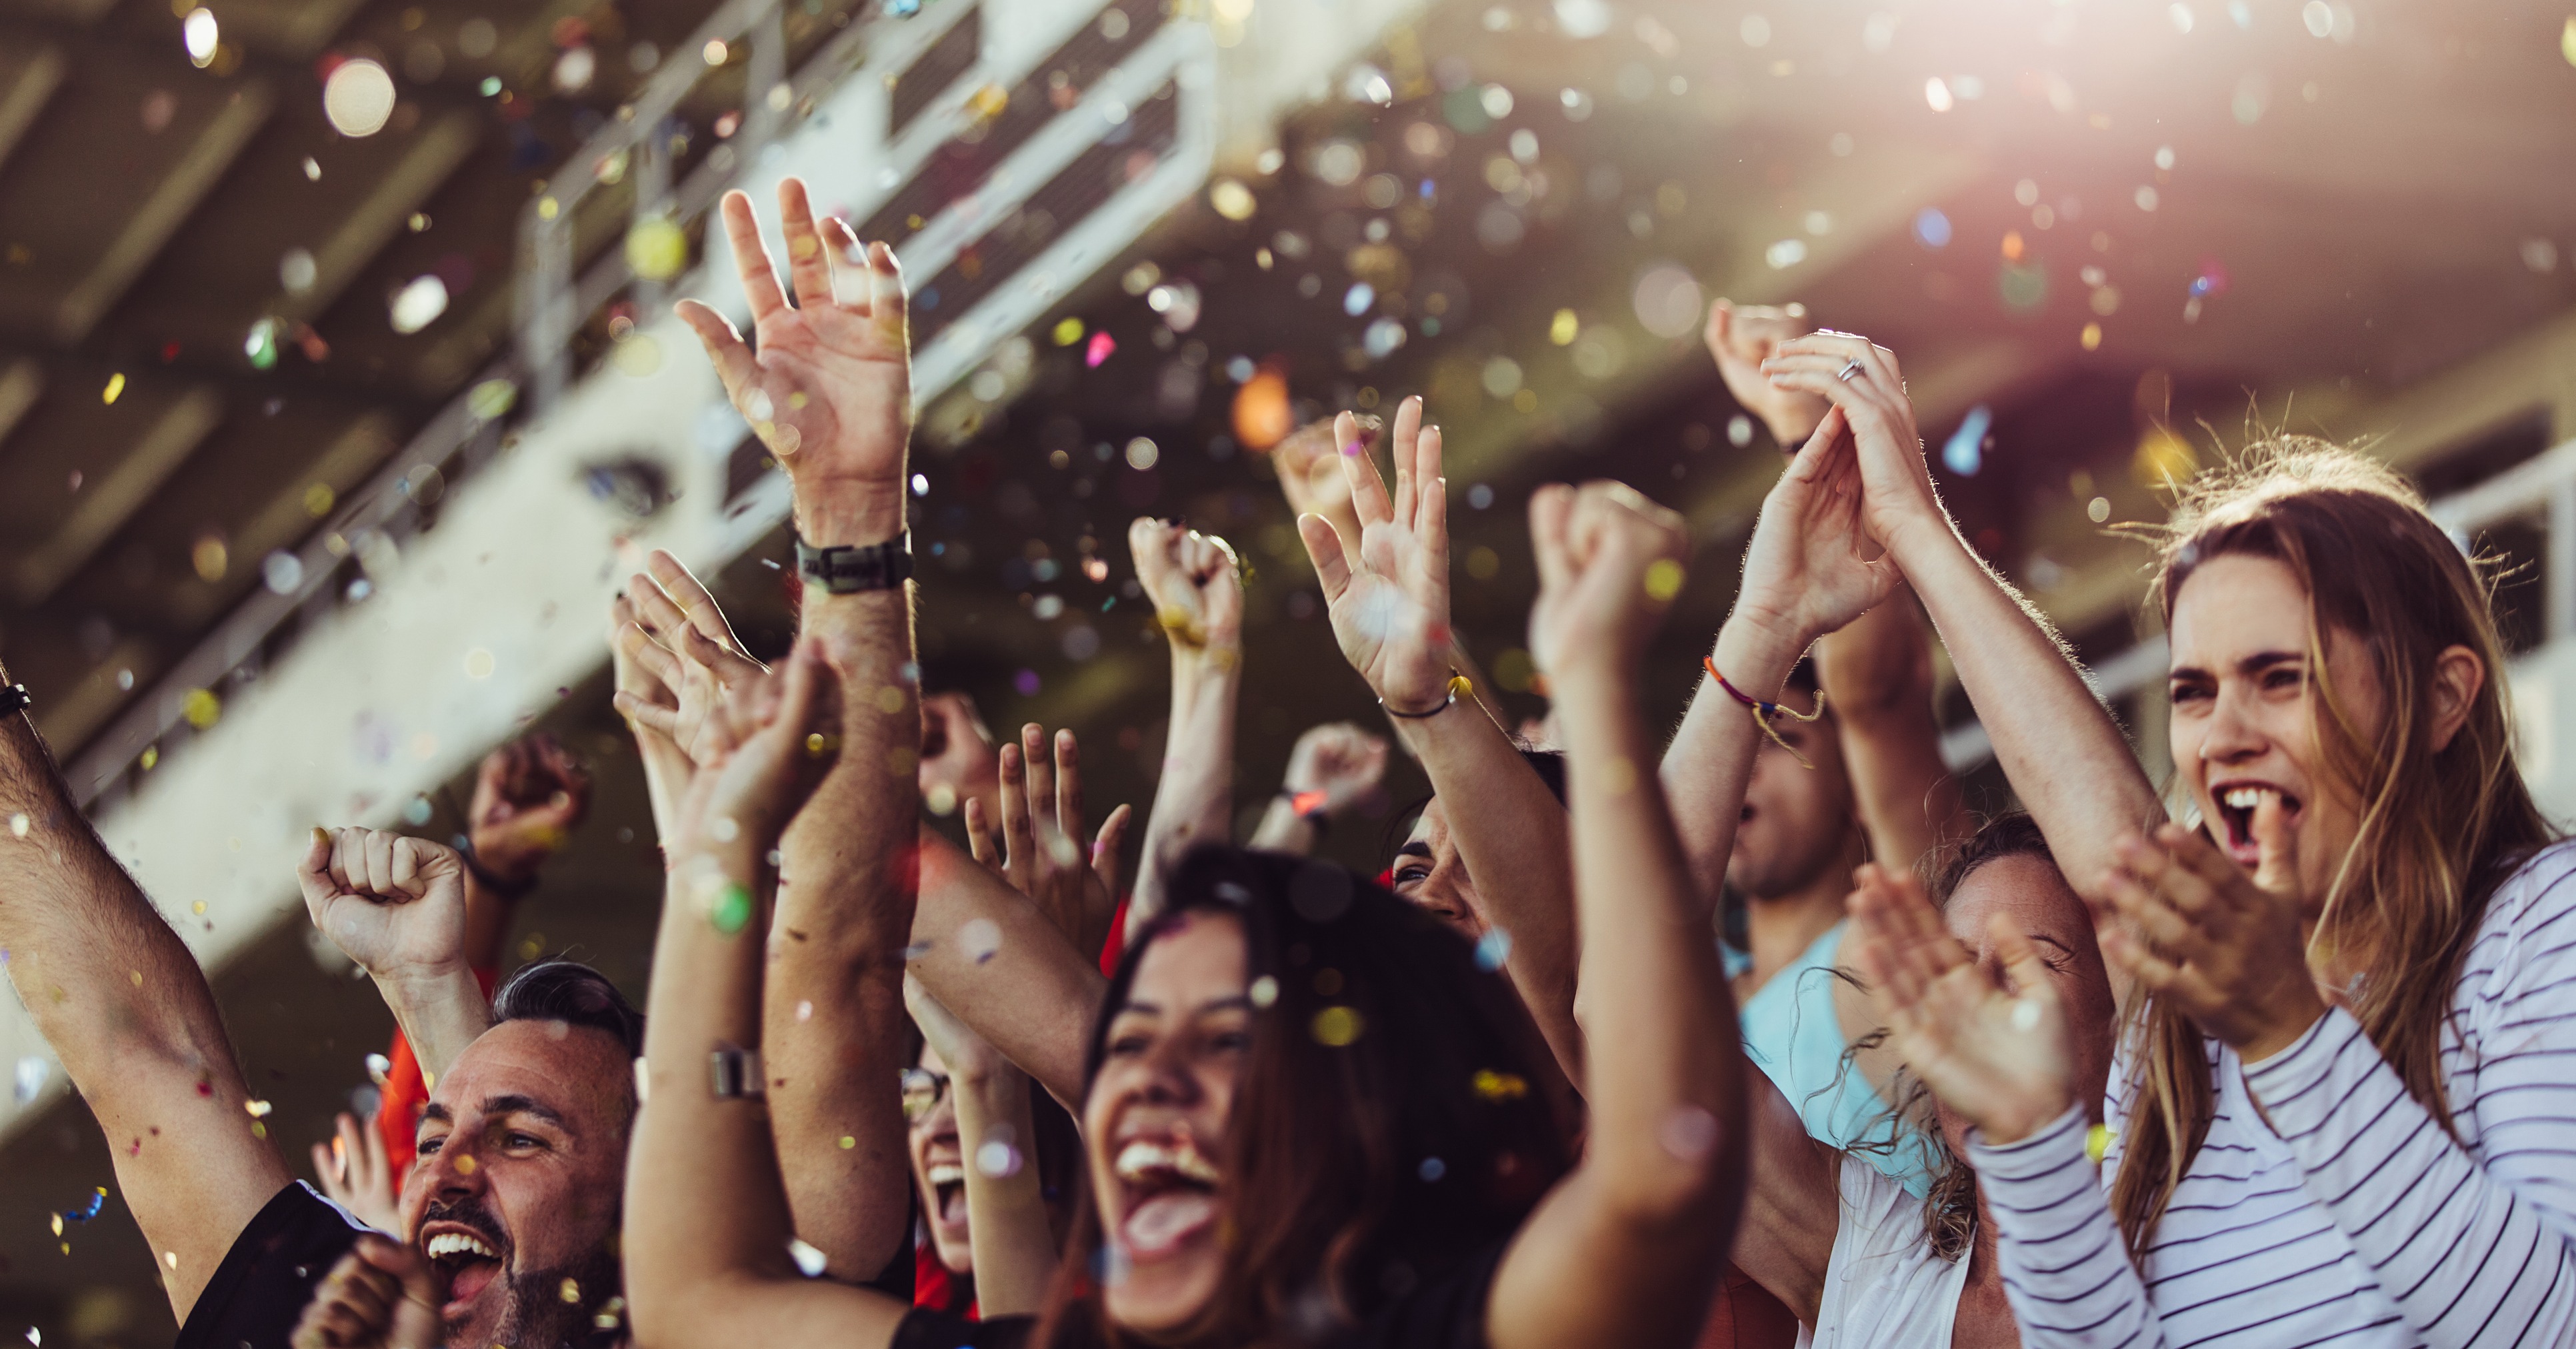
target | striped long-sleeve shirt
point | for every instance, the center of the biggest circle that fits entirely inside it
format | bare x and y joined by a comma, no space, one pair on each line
2351,1218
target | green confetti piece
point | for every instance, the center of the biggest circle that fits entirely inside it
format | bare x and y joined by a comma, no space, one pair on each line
732,912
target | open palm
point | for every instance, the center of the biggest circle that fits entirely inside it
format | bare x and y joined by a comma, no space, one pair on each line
1996,1056
1390,604
1812,566
829,387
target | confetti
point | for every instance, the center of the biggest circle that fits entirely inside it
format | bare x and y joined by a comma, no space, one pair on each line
1101,348
1264,991
18,824
1337,1026
809,1261
732,910
2097,1141
1432,1169
33,1071
115,386
1688,1133
1493,1086
1492,949
979,939
998,1159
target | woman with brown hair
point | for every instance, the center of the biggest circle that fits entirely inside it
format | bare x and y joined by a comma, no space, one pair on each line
2341,1102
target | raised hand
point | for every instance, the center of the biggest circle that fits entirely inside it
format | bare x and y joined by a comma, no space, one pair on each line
393,903
967,1055
381,1295
1812,565
768,742
1994,1053
528,796
1864,382
356,1175
1390,600
1337,760
1311,477
956,752
2225,947
1041,849
829,390
1609,563
680,640
1742,339
1195,582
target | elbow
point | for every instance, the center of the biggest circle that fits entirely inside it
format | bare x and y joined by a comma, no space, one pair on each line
1688,1184
686,1310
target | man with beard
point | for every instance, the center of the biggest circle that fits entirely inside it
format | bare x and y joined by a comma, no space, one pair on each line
513,1198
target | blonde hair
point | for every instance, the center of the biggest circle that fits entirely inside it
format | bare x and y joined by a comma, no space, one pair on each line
2440,828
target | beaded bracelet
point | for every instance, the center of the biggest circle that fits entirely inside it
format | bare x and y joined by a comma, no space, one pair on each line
1764,710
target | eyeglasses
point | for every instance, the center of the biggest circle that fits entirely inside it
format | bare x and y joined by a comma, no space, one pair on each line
922,1090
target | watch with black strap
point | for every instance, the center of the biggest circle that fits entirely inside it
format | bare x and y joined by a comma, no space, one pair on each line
849,571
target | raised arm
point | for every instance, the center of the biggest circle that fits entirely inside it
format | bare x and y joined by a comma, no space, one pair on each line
1197,591
115,993
830,395
1626,1250
1333,768
1389,602
707,1217
2065,758
396,906
1876,674
1006,1214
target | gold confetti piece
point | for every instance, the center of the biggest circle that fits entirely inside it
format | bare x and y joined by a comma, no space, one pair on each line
1337,1026
1663,579
570,1292
465,1164
848,1142
1494,1086
115,386
2097,1141
170,1258
257,1109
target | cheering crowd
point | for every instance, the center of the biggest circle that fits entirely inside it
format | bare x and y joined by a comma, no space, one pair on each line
2297,1068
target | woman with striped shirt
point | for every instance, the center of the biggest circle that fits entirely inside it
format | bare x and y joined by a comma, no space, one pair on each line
2342,1107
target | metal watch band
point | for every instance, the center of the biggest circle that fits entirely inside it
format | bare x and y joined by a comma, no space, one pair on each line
733,1074
847,571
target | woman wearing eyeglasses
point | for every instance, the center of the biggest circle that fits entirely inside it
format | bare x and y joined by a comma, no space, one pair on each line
989,1156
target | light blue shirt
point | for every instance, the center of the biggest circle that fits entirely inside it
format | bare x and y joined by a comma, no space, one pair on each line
1792,1033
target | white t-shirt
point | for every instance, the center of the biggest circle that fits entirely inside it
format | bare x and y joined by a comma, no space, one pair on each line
1883,1284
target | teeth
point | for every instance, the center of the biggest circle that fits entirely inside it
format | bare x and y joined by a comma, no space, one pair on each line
2243,798
458,1243
1139,1158
947,1173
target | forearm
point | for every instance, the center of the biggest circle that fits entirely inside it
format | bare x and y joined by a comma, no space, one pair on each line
995,962
439,1012
1877,676
2066,1269
2467,1260
1282,829
707,1218
1512,834
1710,760
1194,800
1659,1024
835,987
1006,1214
125,1008
2066,760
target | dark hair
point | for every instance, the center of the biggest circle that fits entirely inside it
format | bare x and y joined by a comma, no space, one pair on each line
1387,1124
570,992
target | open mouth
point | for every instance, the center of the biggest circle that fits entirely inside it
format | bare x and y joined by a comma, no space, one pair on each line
1171,1194
2236,806
948,1191
466,1262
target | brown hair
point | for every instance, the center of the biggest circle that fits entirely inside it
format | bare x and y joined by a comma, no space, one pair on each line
2439,829
1411,1137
